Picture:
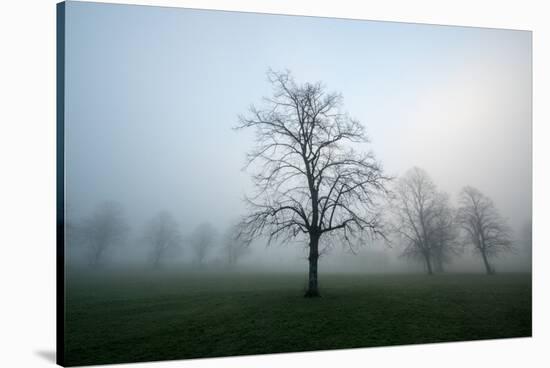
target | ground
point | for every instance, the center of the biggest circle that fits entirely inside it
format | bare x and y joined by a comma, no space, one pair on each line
131,316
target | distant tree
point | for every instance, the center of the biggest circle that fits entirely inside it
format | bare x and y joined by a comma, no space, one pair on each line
202,240
162,235
485,229
233,246
424,219
104,228
446,245
311,185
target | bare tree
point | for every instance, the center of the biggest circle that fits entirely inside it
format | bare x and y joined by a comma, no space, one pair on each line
202,240
424,219
445,238
233,246
105,228
163,235
485,229
311,185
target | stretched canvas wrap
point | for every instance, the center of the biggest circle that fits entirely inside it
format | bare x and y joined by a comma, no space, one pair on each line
235,183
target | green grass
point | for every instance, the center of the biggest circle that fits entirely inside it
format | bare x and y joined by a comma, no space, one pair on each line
131,316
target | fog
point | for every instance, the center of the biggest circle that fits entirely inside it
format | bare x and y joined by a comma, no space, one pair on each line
153,95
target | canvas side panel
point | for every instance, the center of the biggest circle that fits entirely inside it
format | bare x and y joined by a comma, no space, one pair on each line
60,177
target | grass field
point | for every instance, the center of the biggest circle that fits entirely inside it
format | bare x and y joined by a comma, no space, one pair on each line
134,316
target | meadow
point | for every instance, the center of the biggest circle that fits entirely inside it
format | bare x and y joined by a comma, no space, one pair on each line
142,315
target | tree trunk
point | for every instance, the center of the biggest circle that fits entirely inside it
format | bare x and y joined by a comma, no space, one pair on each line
156,262
96,257
438,264
488,267
313,289
428,264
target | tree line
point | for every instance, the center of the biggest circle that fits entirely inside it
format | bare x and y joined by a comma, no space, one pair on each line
106,228
434,232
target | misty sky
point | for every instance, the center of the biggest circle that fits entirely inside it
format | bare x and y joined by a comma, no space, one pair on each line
152,94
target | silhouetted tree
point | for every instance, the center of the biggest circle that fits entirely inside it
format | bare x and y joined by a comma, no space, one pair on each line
233,246
424,219
310,184
485,229
106,227
202,240
445,238
163,235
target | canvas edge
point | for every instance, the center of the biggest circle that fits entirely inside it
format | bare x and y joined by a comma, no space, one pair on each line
60,183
